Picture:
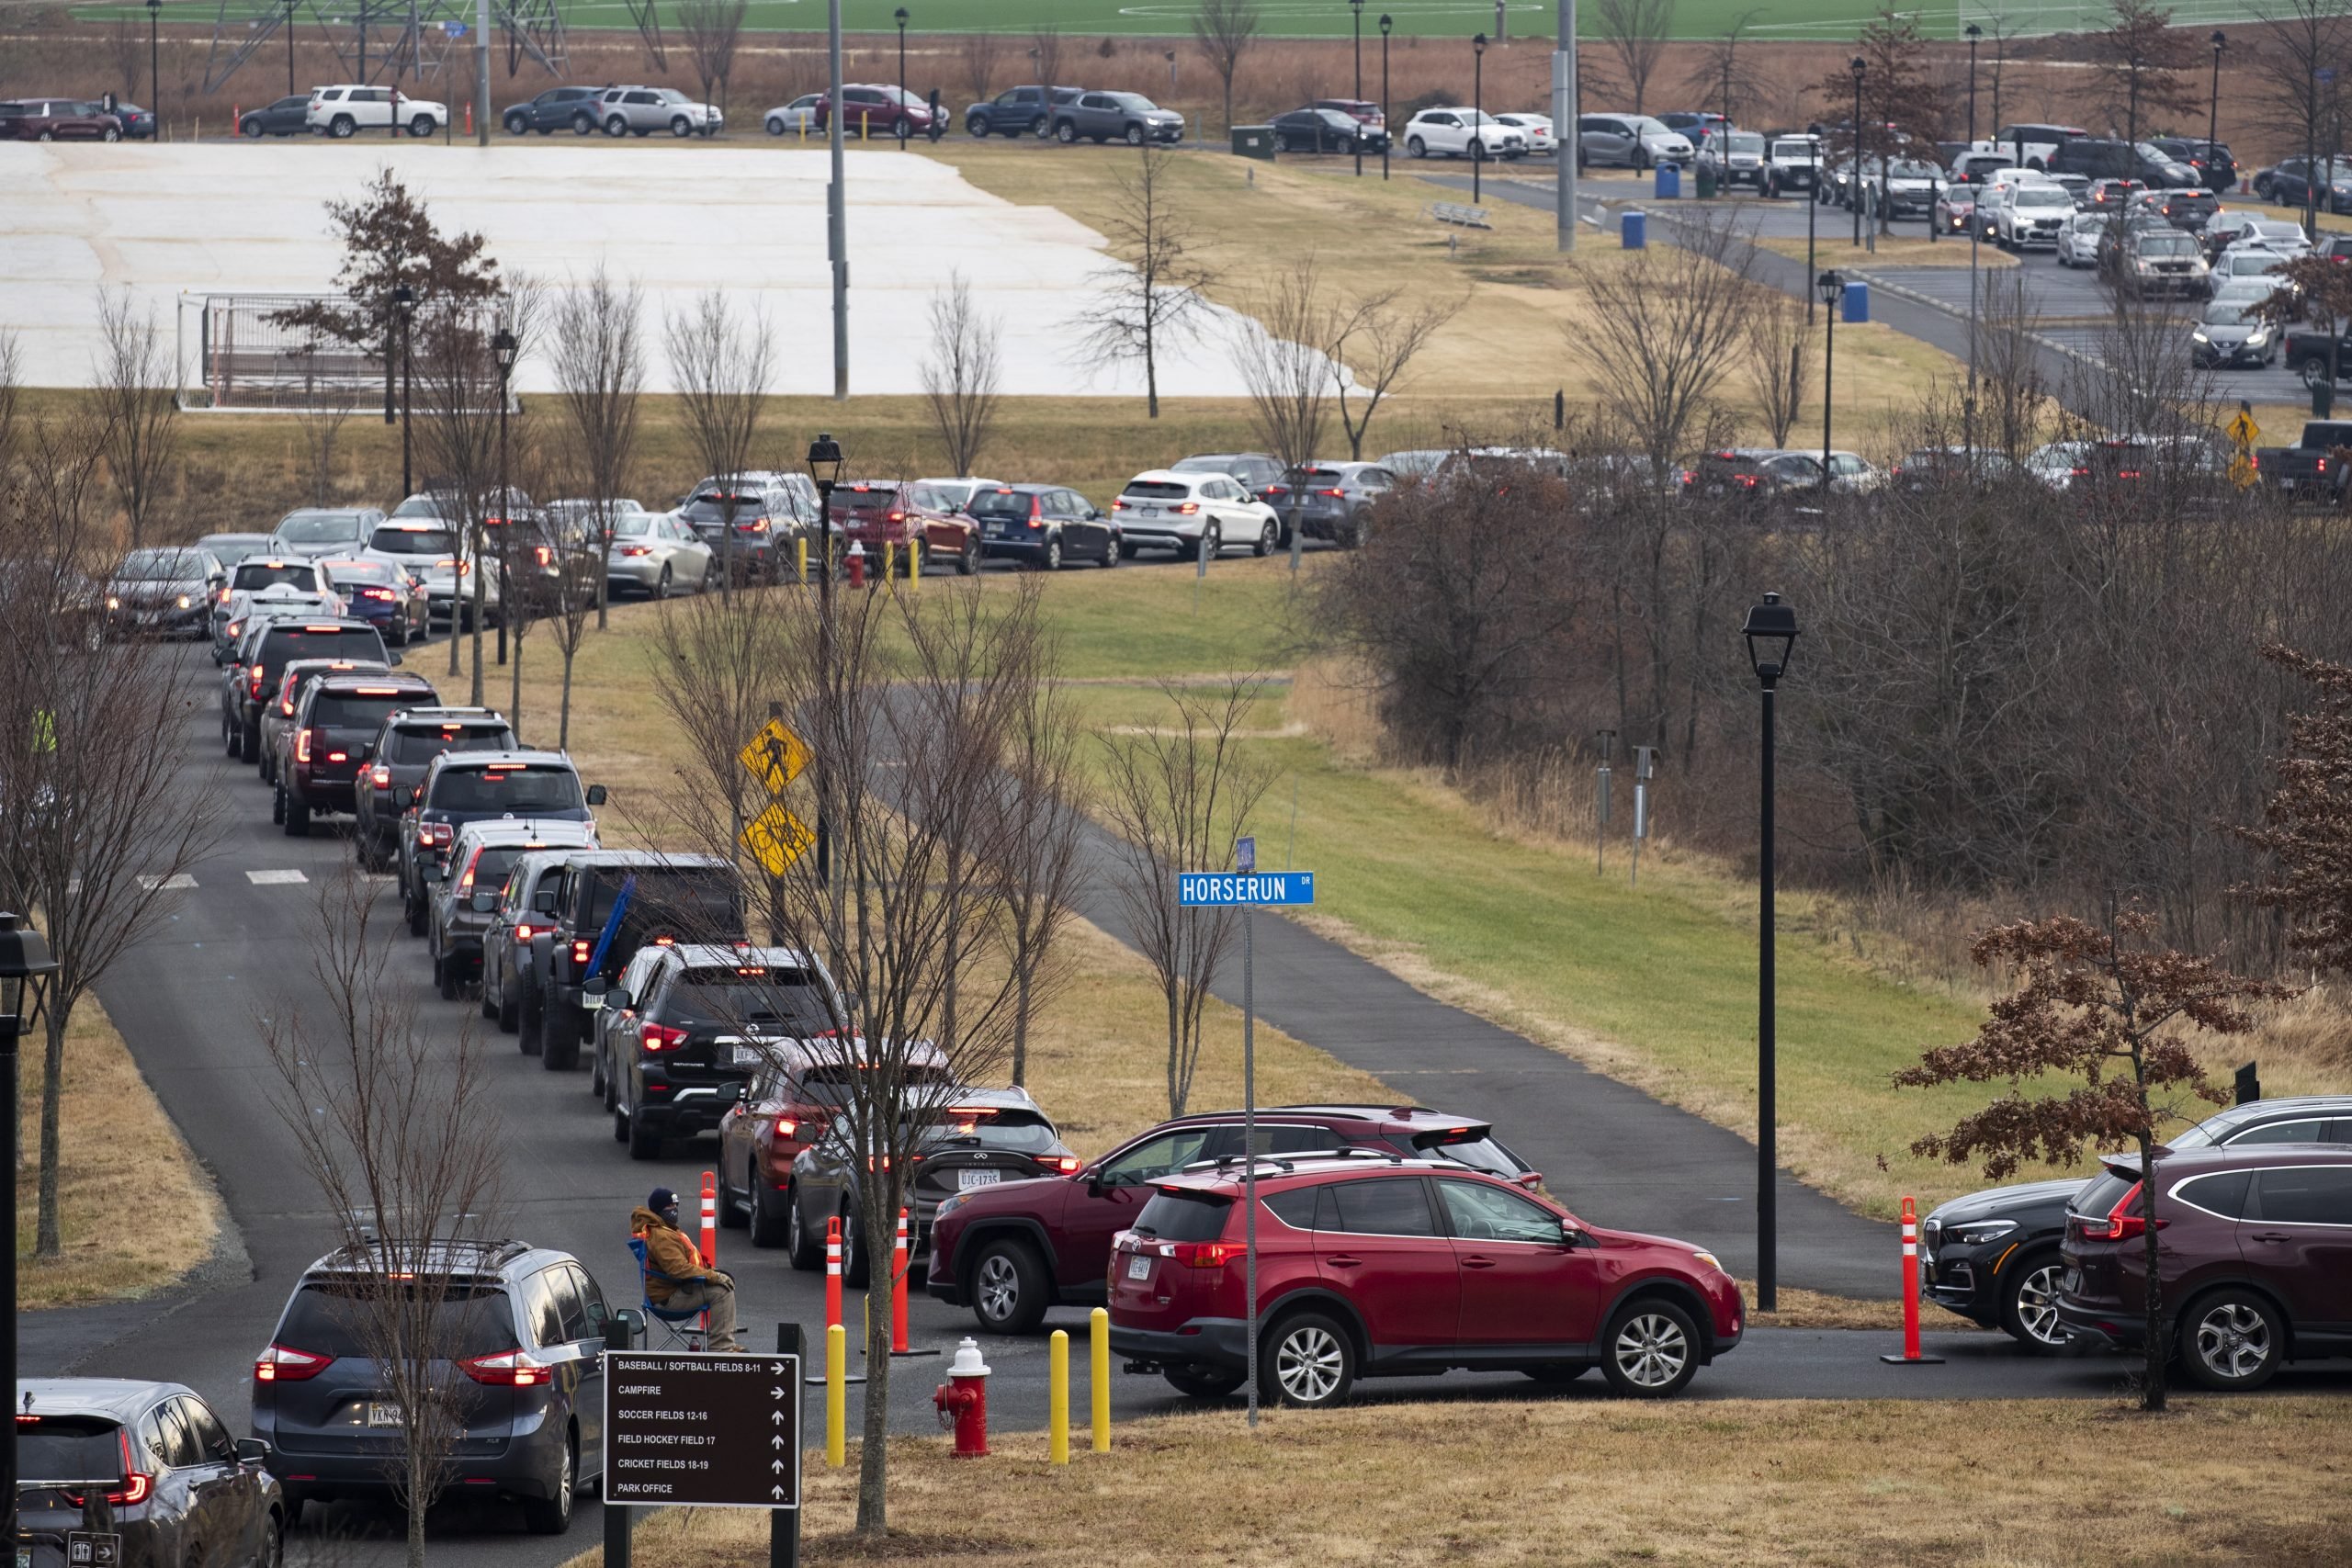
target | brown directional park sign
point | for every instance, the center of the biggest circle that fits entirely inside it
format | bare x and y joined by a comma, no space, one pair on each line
704,1429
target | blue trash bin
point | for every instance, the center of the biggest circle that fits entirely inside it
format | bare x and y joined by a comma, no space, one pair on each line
1858,302
1635,229
1669,182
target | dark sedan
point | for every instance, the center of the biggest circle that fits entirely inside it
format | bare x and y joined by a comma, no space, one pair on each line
1043,525
383,594
138,124
286,116
168,591
1325,130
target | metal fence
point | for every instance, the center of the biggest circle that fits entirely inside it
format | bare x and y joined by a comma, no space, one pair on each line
236,352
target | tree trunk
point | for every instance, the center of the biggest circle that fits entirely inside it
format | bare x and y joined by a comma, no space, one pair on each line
49,1242
563,714
515,701
1021,1016
1228,106
419,1498
1150,368
1175,1088
874,1455
2152,1397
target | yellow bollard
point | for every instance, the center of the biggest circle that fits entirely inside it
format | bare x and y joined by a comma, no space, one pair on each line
800,554
1058,1399
836,1397
914,562
1099,1376
890,561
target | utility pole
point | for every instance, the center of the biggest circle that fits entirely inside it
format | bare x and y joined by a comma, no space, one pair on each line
1566,143
836,210
482,76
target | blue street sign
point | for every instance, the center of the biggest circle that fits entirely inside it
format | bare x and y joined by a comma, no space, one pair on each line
1199,888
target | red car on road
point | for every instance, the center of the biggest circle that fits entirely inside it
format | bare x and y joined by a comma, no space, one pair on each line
1380,1265
879,513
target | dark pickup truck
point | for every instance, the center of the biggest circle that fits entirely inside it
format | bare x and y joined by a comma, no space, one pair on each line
2309,353
2315,467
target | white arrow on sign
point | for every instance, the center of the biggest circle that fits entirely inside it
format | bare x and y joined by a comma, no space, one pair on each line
777,1466
776,1491
775,1393
778,1368
776,1442
777,1418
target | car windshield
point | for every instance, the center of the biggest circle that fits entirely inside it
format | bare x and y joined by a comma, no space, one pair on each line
414,746
1014,1129
2167,244
830,1083
2043,195
1746,141
233,546
1800,151
851,498
1908,169
360,710
1214,463
713,506
518,787
286,643
2253,264
336,1318
1184,1216
1135,101
161,565
2227,312
67,1448
758,997
414,541
999,503
1159,490
362,570
319,527
426,505
269,574
635,525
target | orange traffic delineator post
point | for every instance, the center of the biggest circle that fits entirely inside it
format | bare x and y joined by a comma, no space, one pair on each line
710,1220
833,1303
1911,1356
901,1260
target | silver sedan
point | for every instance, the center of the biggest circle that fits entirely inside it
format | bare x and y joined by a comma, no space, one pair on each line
656,555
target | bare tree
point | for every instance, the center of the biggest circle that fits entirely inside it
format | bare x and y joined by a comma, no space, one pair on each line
598,348
1898,102
2139,62
716,677
1045,870
713,28
326,407
12,379
95,834
2303,43
1224,31
1045,49
1663,332
134,383
979,52
2011,391
1153,297
1372,344
721,364
1278,348
1779,339
1635,32
1726,75
127,52
404,1138
962,373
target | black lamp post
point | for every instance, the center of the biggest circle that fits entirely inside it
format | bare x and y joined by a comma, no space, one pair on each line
289,51
1830,286
404,301
1478,111
502,350
901,14
154,65
1388,131
25,970
2213,110
1974,32
1772,634
1858,66
825,466
1355,8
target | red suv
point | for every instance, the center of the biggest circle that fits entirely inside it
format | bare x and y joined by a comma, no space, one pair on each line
2257,1261
1010,1251
1380,1265
874,513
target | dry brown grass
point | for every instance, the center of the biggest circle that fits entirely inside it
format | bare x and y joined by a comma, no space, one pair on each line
1811,1308
136,1209
1550,1481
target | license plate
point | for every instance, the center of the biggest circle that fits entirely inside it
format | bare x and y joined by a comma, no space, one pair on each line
1149,511
748,1054
381,1414
966,1179
1139,1268
993,529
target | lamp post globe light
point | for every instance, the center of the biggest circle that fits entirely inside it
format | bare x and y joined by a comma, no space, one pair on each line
1975,33
25,968
1386,22
825,466
1831,286
1478,111
1772,634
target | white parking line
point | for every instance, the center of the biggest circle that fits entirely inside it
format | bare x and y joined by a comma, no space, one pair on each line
170,885
273,878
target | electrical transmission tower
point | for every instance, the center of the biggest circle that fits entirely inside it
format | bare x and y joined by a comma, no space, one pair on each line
389,40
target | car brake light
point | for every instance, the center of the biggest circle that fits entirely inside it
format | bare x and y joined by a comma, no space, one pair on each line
439,833
2121,1226
661,1037
665,941
302,746
524,934
756,525
580,950
877,1162
898,517
1207,1254
1189,508
381,778
513,1369
1069,1165
1332,492
786,1127
136,1485
542,554
383,594
636,550
1119,504
465,882
283,1363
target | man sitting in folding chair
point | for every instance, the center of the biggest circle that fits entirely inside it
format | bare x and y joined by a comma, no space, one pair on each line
677,1284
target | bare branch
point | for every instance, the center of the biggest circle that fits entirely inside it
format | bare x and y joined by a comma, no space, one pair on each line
1153,297
721,366
135,380
962,374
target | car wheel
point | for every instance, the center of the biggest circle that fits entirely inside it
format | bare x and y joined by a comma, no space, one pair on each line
1478,153
768,1228
730,1217
615,126
1126,549
46,136
644,1142
1210,543
1066,132
252,128
231,740
775,125
662,588
1112,552
1198,1382
2234,1341
509,1011
421,127
1010,1288
1053,557
968,564
341,127
854,1269
551,1515
1282,143
680,126
1038,128
248,744
975,129
2029,1305
1652,1348
1414,148
802,1247
620,1125
298,820
581,124
278,807
1308,1363
445,977
1265,544
516,125
558,1037
1134,136
414,909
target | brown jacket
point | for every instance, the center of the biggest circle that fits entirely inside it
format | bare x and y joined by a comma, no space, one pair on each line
668,1251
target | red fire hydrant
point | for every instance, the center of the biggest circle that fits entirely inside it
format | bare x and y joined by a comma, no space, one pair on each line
856,564
963,1400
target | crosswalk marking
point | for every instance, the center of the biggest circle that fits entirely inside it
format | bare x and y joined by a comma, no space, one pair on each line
273,878
169,885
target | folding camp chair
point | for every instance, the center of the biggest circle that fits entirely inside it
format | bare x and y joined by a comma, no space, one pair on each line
666,1319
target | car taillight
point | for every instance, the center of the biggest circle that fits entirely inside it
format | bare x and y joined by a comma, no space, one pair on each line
542,554
386,594
2121,1226
524,934
466,883
381,778
136,1483
877,1162
1188,508
898,517
1119,504
1069,1165
636,550
302,746
283,1363
442,832
756,525
661,1037
254,687
580,947
1207,1254
785,1127
511,1369
1330,493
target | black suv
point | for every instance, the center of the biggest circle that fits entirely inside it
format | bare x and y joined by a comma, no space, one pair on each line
685,1052
465,786
2217,169
1018,109
279,705
524,1330
2101,159
558,108
265,657
397,759
515,949
1993,1257
659,898
336,720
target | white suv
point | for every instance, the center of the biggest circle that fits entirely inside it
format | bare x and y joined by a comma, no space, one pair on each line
2030,213
348,109
1192,514
1460,133
644,111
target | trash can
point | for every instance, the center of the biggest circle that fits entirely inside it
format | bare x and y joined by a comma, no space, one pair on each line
1706,172
1254,142
1858,302
1635,229
1669,184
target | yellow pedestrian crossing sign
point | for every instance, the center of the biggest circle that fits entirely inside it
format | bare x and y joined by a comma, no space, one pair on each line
775,837
2243,432
775,756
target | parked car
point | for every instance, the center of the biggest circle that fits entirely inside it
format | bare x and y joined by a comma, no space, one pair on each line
1738,158
1011,1251
1018,110
154,1460
309,532
2160,262
1045,526
640,110
1793,164
1192,514
878,110
138,124
398,758
2187,210
2217,170
966,1139
660,898
525,1379
1693,123
2078,238
1325,130
766,511
1536,128
459,787
1330,501
2283,236
323,754
1951,466
1754,472
1462,133
381,593
1255,470
681,1054
793,1097
1384,1267
2323,183
57,119
465,906
2252,1272
2030,216
289,116
798,118
168,590
1126,116
880,515
656,553
951,495
558,108
1904,187
1361,109
2033,146
343,111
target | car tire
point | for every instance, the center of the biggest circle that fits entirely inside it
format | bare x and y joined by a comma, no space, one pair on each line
1039,127
1210,543
680,126
2230,1341
251,129
662,588
1308,1363
1113,553
1282,143
1066,132
1266,543
1651,1349
278,808
1478,153
558,1037
775,126
495,1010
1414,148
1010,1286
802,1248
2029,1305
232,739
516,125
730,1217
581,124
615,126
342,127
975,129
620,1125
445,977
767,1227
1052,559
1134,136
968,563
644,1142
1196,1381
857,1270
1126,550
551,1515
298,820
248,744
421,127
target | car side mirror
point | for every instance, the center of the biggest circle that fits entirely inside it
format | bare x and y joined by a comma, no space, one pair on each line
593,993
252,1450
391,656
632,1320
743,1095
596,795
1574,1234
544,903
484,901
